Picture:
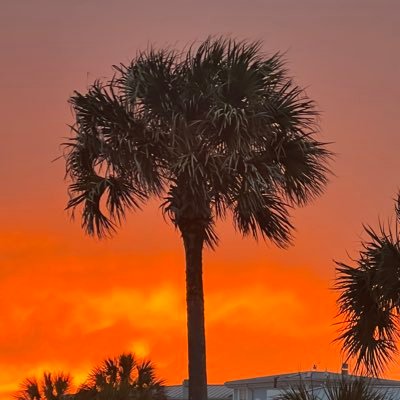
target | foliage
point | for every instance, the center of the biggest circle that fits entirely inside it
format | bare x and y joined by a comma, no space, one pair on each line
355,389
299,393
218,129
118,378
342,389
50,387
369,300
121,378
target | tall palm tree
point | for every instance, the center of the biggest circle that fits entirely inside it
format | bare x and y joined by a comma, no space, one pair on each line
50,387
369,300
342,389
219,130
122,378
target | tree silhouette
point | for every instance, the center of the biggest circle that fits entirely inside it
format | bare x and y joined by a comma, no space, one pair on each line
369,300
220,130
342,389
50,387
122,378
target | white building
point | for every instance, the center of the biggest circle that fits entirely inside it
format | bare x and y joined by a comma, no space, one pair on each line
270,387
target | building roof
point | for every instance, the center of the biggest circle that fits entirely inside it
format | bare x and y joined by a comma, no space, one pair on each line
305,377
213,392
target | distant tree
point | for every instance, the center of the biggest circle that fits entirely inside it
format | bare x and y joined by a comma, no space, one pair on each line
220,130
50,387
122,378
369,300
343,389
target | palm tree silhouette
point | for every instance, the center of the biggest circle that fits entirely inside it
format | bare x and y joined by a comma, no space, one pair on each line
342,389
51,387
122,378
369,300
219,130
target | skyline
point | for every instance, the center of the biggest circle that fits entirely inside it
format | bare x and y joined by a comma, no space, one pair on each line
260,301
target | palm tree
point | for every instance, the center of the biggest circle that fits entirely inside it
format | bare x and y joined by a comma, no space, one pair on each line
369,300
221,130
342,389
51,387
122,378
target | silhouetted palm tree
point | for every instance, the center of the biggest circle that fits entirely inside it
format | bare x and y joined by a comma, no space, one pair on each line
51,387
343,389
219,130
370,300
122,378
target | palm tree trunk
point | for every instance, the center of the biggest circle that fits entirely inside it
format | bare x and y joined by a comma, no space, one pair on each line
193,242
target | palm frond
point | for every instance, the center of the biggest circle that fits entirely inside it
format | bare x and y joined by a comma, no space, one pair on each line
187,128
127,364
111,156
147,386
149,83
304,170
354,389
30,390
369,301
345,388
146,374
260,212
48,387
62,384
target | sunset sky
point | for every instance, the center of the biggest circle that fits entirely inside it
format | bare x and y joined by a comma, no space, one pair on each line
67,301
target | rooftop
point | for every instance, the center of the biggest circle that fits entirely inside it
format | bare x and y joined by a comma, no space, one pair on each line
213,392
305,377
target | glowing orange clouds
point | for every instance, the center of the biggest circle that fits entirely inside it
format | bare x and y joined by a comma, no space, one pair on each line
70,314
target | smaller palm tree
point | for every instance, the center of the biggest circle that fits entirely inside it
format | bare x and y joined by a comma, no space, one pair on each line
122,378
369,300
342,389
50,387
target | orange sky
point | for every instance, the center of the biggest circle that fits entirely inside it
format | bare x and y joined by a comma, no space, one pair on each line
67,301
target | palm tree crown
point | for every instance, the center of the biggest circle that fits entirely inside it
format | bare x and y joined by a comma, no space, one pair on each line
220,129
349,388
122,378
369,300
51,387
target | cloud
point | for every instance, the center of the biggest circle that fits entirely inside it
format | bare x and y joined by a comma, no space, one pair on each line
67,309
